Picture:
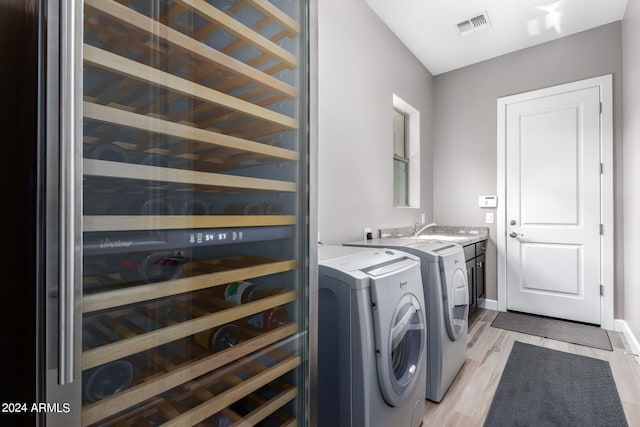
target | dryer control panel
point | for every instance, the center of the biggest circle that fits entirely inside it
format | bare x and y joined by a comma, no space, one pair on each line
374,261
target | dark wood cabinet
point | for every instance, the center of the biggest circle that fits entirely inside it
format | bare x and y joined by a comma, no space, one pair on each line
480,276
475,257
471,274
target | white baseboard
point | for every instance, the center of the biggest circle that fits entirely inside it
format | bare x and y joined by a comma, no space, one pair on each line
621,326
489,304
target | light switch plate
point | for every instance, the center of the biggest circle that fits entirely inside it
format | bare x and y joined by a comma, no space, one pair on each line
488,217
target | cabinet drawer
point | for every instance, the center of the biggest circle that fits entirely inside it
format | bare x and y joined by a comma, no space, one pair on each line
480,248
469,252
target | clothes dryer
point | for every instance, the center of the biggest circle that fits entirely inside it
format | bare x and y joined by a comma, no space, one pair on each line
371,338
446,295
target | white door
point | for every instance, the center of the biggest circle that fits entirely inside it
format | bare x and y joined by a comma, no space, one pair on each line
553,205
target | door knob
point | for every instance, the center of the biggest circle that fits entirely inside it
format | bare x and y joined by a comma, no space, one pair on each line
513,234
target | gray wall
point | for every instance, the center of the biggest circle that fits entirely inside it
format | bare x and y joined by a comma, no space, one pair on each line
361,65
631,168
465,124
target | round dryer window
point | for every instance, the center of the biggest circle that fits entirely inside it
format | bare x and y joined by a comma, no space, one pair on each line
457,293
401,362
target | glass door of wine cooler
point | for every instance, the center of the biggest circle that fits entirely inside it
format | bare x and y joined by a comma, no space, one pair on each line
194,245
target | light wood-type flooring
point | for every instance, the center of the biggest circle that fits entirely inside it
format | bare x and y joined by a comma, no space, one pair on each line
468,400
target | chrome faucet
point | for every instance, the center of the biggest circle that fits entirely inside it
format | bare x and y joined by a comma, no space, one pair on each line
424,227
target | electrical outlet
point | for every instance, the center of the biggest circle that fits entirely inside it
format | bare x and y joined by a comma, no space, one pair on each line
365,232
488,217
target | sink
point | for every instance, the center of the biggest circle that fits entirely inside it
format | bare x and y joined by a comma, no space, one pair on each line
443,237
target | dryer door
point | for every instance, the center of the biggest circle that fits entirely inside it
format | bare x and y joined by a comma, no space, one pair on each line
455,292
400,334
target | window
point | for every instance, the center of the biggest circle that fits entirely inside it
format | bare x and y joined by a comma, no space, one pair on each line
400,159
406,154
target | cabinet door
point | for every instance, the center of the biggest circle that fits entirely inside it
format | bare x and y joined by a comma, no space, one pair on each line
471,278
479,276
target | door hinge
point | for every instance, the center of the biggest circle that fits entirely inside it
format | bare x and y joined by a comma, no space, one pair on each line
601,229
601,168
601,290
601,108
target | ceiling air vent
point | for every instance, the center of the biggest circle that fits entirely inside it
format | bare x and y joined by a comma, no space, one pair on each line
475,24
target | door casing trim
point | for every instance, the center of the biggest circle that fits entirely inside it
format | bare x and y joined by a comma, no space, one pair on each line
605,85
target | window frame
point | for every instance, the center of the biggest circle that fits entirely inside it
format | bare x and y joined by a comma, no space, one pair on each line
412,153
403,159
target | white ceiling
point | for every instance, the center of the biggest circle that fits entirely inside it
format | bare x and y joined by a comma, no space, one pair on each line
429,27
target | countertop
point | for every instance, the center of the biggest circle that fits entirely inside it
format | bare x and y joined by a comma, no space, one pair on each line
471,234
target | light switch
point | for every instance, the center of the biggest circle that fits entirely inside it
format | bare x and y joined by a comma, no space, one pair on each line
488,217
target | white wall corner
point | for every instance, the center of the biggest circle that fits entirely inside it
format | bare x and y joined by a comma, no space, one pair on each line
634,345
489,304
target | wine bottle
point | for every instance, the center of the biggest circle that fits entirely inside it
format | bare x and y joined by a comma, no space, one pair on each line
219,338
107,380
192,207
108,151
244,209
151,267
272,209
269,319
151,207
154,159
242,292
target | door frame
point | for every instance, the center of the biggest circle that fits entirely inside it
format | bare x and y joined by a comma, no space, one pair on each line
605,85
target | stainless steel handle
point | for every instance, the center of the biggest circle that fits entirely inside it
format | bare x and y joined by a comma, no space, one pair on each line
512,222
513,234
70,13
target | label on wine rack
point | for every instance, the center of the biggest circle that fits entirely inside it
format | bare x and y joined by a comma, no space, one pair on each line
212,237
97,243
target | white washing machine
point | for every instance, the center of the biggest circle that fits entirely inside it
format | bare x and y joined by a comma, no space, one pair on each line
371,338
446,294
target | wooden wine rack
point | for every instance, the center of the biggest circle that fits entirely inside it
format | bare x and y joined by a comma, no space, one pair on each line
208,274
170,222
208,90
209,105
192,178
135,322
205,310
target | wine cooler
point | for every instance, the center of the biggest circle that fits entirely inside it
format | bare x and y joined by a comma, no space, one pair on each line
180,147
